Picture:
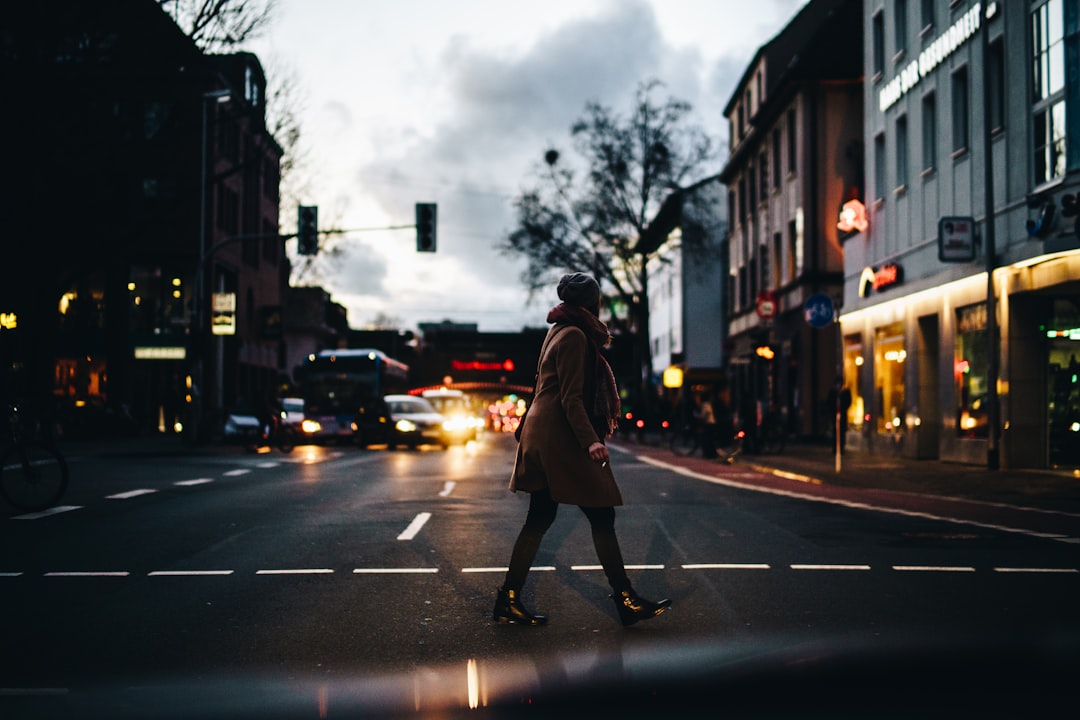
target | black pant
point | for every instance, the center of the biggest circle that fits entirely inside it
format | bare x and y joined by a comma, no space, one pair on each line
542,510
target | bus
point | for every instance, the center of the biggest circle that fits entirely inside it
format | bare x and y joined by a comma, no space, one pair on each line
343,394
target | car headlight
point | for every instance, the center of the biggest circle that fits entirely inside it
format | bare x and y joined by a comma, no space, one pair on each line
405,426
456,424
311,426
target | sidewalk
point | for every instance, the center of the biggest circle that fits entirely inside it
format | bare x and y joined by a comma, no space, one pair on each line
1034,501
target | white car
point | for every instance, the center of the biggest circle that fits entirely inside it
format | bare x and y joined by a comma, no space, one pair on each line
415,422
462,425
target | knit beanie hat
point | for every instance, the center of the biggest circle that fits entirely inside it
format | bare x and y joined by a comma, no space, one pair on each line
579,289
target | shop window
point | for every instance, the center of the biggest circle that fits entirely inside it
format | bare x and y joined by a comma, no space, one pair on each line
853,365
889,359
971,371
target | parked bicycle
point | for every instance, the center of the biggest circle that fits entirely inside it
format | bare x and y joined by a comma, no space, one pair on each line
33,473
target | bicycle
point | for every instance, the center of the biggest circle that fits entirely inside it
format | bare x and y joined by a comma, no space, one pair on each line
279,434
33,473
685,440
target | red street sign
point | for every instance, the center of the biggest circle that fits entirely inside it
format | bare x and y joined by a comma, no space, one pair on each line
766,305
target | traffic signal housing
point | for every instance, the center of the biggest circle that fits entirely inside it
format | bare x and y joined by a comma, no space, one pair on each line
307,230
426,216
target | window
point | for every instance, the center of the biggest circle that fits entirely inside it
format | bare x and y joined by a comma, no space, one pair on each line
776,157
927,14
751,186
889,359
742,120
929,132
960,110
879,166
777,254
878,30
731,205
791,142
794,258
901,152
996,79
763,176
853,365
1048,86
742,200
971,369
900,26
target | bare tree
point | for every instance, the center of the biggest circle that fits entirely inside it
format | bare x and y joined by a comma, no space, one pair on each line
218,25
637,175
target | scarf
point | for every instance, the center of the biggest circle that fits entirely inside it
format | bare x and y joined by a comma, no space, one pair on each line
605,403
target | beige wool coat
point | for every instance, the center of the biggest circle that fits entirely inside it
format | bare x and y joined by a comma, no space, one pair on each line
553,451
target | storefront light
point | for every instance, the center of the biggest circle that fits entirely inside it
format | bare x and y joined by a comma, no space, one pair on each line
859,361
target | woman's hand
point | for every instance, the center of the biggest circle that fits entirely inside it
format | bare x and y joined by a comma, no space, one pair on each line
598,452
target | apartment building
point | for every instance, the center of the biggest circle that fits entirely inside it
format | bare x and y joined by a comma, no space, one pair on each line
961,295
795,160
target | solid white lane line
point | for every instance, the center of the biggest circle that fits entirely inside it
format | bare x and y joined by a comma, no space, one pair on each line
1034,570
46,513
196,481
395,571
830,567
726,566
130,494
86,574
187,573
848,503
414,527
932,568
297,571
447,488
238,471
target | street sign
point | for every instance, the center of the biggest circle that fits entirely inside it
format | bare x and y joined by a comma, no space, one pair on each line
819,311
224,316
956,239
766,305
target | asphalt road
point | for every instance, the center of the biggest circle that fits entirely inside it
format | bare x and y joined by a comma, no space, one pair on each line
338,564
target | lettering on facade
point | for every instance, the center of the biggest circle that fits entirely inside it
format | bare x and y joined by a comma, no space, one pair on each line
876,280
933,55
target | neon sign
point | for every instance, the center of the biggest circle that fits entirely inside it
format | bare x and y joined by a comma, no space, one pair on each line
504,366
885,276
853,217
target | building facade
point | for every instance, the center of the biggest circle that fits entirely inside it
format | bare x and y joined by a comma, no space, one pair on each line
795,159
961,320
146,180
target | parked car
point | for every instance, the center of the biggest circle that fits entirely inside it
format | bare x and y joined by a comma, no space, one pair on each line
242,425
462,424
415,422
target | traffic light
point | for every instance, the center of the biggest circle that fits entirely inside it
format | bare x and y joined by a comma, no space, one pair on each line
307,229
425,227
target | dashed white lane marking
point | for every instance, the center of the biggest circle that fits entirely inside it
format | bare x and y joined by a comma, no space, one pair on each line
414,527
268,464
534,568
727,566
297,571
448,488
187,573
848,503
547,568
628,567
46,513
237,472
130,494
191,483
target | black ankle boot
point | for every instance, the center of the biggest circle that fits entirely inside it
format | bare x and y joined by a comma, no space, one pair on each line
633,608
508,609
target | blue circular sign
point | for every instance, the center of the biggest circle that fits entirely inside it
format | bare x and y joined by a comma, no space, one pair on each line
819,311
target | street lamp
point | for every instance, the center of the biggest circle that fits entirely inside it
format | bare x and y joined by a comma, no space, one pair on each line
217,96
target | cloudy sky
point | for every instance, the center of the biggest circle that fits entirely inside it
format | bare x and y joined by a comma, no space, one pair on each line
455,102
